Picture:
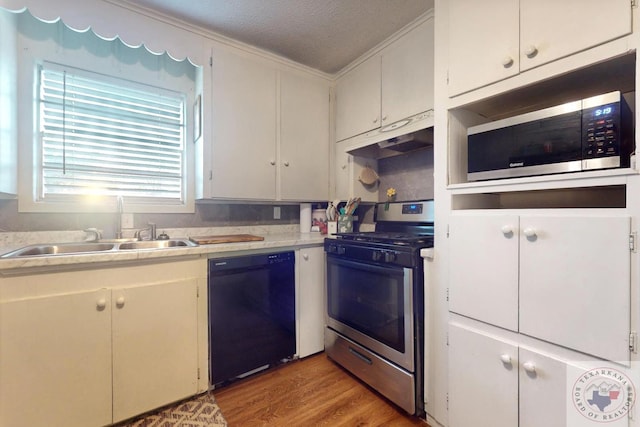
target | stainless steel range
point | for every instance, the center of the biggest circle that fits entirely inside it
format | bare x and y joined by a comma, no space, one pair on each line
375,301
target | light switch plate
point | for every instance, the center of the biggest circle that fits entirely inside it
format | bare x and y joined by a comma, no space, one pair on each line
127,220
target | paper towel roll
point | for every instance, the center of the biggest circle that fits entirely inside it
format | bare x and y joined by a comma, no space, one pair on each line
305,217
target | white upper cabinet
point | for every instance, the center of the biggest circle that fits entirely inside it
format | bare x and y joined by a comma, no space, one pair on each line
270,132
304,137
493,40
407,75
243,141
348,169
393,84
483,43
551,29
358,100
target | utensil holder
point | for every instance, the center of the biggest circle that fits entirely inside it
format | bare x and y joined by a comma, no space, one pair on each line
345,223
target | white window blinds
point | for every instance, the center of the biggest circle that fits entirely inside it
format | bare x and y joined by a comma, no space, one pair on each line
105,136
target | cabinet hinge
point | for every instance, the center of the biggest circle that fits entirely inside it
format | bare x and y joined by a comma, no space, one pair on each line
632,241
634,3
211,61
198,292
447,231
198,373
447,295
210,175
447,400
633,342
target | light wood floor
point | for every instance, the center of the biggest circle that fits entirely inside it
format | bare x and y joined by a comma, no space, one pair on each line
309,392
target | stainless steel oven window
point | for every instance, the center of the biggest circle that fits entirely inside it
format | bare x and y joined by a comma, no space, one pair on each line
372,305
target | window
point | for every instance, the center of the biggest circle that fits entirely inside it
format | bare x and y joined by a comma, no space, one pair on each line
99,119
108,136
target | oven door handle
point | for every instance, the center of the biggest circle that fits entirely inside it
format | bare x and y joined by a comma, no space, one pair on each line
364,265
360,356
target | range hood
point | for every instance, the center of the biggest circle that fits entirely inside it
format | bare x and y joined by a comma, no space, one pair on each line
405,135
409,142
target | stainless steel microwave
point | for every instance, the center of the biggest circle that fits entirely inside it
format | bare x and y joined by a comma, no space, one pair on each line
592,133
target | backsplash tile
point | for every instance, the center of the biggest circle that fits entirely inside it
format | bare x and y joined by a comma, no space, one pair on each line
411,174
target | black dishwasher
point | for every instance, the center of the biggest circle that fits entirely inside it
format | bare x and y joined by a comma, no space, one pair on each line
251,313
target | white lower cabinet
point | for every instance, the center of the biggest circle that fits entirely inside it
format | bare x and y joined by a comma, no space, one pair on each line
502,379
155,346
77,357
310,300
483,379
55,360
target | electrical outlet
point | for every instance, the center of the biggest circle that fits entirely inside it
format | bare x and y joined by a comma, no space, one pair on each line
127,220
276,212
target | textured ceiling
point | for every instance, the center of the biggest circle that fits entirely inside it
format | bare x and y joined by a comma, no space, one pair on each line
323,34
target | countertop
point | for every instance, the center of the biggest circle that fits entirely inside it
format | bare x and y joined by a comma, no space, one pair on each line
271,241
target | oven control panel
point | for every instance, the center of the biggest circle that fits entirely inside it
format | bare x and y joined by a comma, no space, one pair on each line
412,209
384,256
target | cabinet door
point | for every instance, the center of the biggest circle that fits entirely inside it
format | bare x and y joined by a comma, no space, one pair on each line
358,100
483,379
304,138
155,346
407,75
311,300
348,169
575,272
483,43
243,163
55,361
551,29
483,268
342,171
543,390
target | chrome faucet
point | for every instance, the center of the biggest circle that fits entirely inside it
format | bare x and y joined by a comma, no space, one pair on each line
120,210
151,230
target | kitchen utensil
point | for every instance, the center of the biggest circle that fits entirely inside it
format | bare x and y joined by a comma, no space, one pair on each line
368,176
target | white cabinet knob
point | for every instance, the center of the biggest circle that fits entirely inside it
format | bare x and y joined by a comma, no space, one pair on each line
286,163
101,304
344,166
384,118
507,61
375,120
305,256
529,367
507,229
506,359
531,51
272,162
530,232
120,302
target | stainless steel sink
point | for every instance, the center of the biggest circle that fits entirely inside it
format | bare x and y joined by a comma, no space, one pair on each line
156,244
60,249
92,247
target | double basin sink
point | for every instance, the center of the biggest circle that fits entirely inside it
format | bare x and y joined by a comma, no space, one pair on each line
99,246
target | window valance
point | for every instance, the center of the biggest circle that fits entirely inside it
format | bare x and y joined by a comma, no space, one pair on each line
111,19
